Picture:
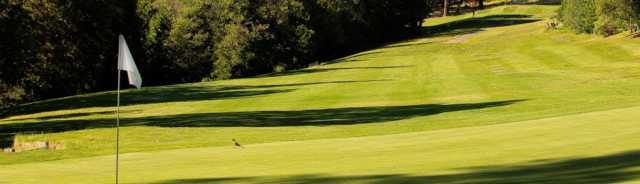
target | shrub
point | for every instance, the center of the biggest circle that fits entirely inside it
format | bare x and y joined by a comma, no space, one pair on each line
578,15
614,16
604,17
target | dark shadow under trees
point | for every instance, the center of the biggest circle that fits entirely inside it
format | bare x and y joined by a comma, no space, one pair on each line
137,97
476,24
180,93
318,70
314,117
611,168
459,27
6,140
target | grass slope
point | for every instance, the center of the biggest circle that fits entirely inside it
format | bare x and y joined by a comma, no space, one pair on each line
598,147
499,67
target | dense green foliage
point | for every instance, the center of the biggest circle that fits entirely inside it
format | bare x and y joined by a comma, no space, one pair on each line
604,17
57,48
578,15
614,16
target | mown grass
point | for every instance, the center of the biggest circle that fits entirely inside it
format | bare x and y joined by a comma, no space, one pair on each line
598,147
500,66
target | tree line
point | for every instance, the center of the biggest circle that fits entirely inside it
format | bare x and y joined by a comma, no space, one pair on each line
58,48
603,17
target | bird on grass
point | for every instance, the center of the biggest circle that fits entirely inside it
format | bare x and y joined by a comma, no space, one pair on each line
236,143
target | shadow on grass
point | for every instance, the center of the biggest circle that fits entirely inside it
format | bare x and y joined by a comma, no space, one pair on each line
159,95
465,26
406,45
476,24
613,168
74,115
538,2
316,117
318,70
6,140
454,28
460,27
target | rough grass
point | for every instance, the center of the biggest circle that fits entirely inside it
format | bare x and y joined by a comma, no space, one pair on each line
416,111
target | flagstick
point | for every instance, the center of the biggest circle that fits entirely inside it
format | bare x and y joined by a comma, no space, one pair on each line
118,129
126,63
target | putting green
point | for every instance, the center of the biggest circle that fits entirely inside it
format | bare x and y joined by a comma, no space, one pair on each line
488,99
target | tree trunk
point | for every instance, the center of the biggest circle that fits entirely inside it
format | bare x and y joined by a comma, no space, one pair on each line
481,4
446,8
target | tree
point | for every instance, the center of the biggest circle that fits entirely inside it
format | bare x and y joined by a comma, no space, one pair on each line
578,15
614,16
445,10
18,46
604,17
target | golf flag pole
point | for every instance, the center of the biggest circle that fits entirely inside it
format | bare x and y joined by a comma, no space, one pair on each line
125,63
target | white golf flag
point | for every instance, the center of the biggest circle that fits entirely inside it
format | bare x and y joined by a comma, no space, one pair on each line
126,63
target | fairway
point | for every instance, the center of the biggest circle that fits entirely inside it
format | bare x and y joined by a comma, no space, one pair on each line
494,98
600,149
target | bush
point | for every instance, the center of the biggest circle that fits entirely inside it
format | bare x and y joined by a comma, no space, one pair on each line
578,15
614,16
604,17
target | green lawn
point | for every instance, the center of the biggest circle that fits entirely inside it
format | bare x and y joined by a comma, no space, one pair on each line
488,99
598,147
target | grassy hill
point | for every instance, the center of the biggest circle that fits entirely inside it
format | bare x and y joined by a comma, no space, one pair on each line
493,98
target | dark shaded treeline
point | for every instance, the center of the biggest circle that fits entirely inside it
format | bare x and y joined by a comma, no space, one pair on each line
60,48
56,48
311,117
